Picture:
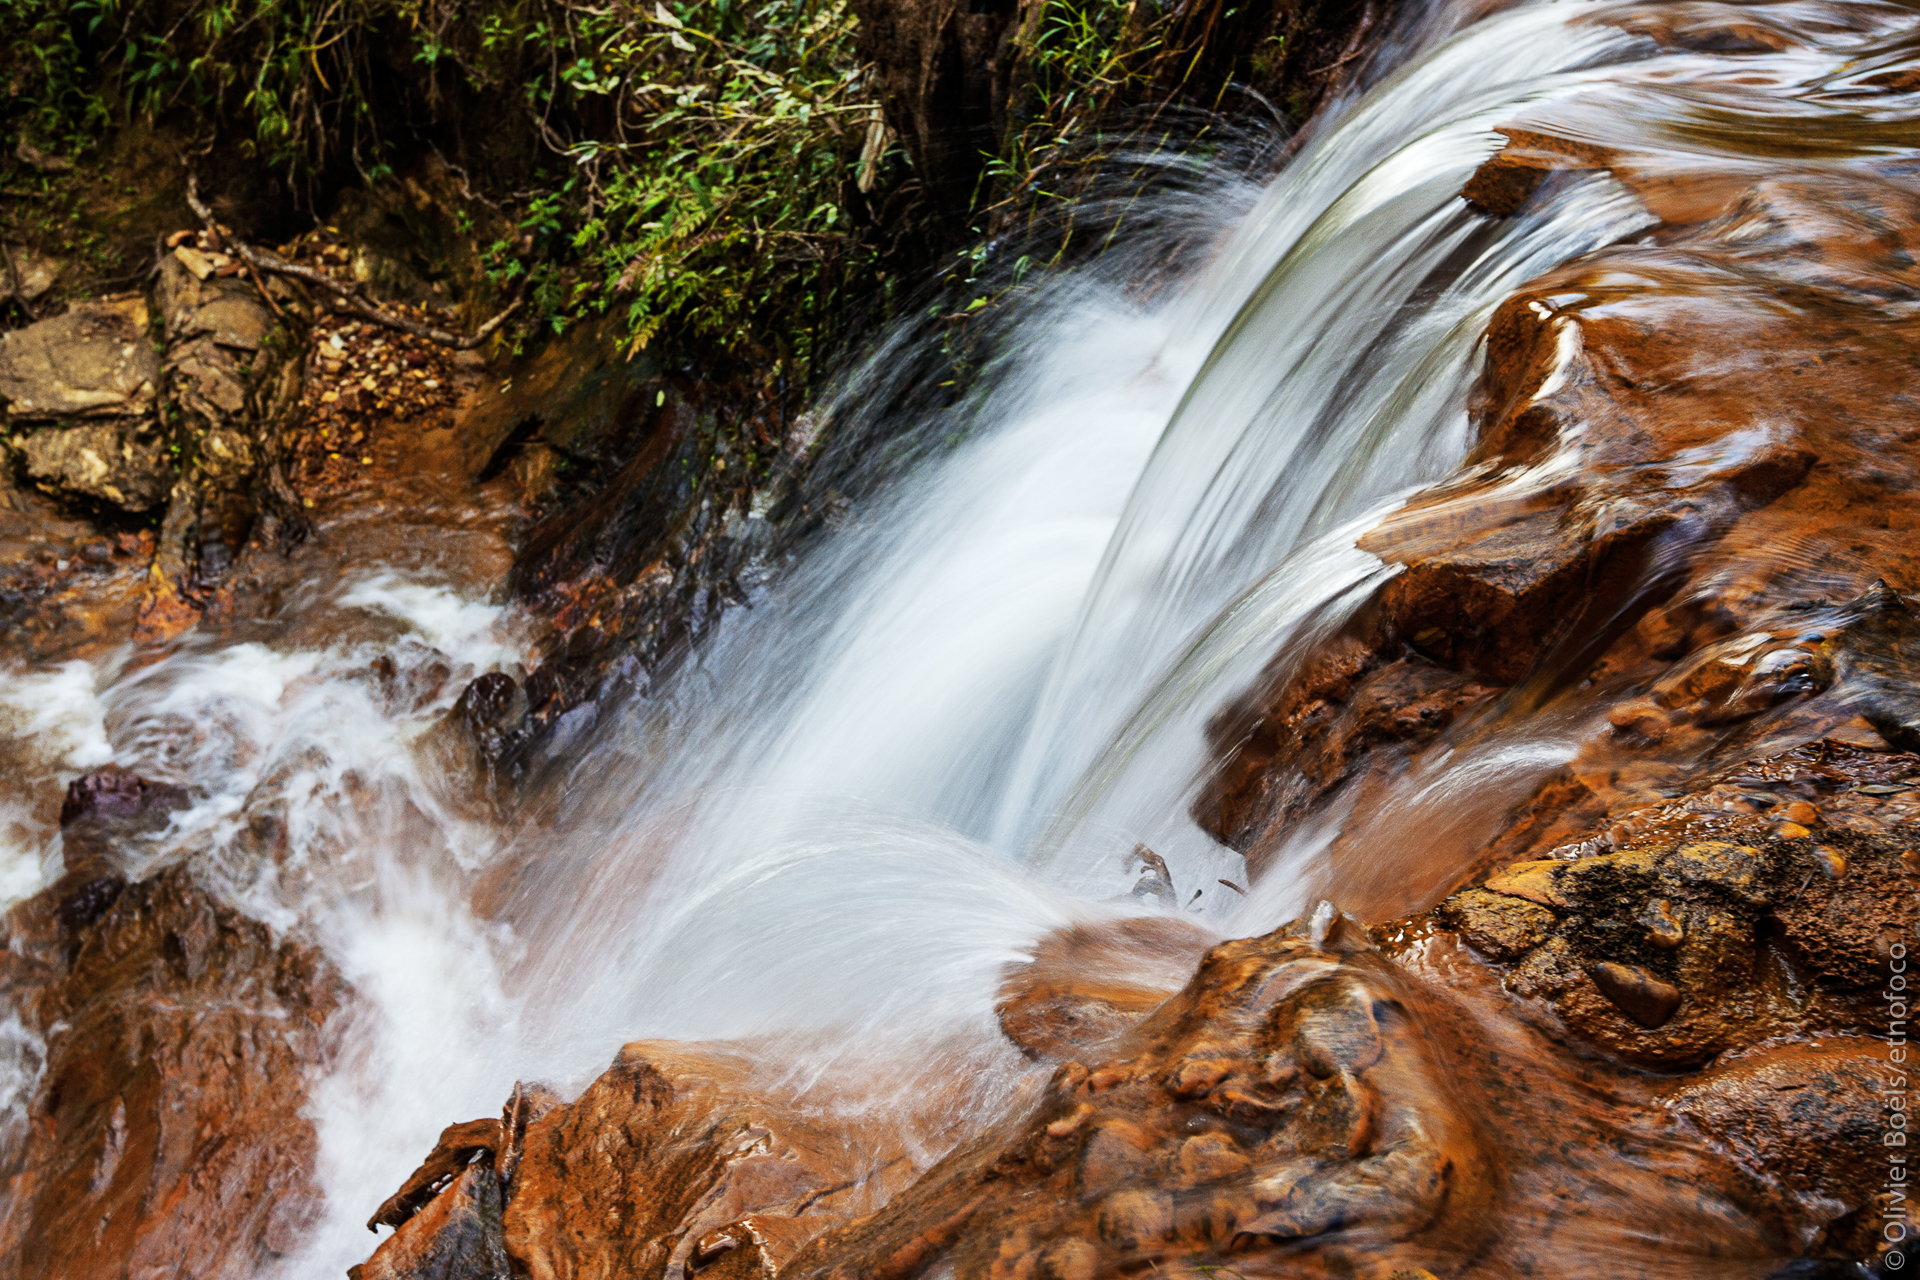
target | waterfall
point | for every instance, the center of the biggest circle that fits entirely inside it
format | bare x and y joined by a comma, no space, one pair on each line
938,735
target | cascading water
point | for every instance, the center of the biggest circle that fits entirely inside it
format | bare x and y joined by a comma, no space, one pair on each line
940,734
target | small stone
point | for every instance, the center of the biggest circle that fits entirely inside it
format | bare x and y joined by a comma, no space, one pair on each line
200,264
1498,926
1642,717
1636,993
1209,1157
1136,1219
1196,1076
1664,929
1801,812
1791,831
329,397
1068,1125
1533,881
1832,862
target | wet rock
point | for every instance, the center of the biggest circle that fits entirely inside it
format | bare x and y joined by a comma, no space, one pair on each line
473,746
1497,925
1806,1119
1705,573
1321,728
457,1236
1087,984
118,795
1654,951
458,1147
1264,1082
673,1144
579,397
1636,993
172,1026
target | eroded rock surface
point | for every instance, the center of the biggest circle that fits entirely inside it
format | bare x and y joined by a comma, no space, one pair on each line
672,1161
164,1133
1688,513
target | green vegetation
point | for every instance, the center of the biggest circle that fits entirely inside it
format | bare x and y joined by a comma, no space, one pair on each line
696,168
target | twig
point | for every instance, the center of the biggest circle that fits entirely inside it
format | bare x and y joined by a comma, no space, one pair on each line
261,261
1337,64
380,315
205,215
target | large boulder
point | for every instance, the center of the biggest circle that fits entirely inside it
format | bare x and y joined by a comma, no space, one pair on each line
675,1160
163,1132
80,391
93,362
121,464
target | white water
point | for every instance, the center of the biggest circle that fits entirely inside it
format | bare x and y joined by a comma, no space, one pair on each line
940,735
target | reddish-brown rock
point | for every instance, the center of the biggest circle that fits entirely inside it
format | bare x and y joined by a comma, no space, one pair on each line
165,1134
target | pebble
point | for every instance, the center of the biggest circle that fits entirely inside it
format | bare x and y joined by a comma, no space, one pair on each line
1801,812
1791,831
1637,993
1664,929
1832,862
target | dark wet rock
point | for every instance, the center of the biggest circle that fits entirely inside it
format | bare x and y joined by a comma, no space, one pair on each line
579,397
171,1024
459,1146
475,744
118,795
456,1237
1321,724
1797,1118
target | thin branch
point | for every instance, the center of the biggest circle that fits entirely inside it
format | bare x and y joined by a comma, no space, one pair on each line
205,215
260,261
